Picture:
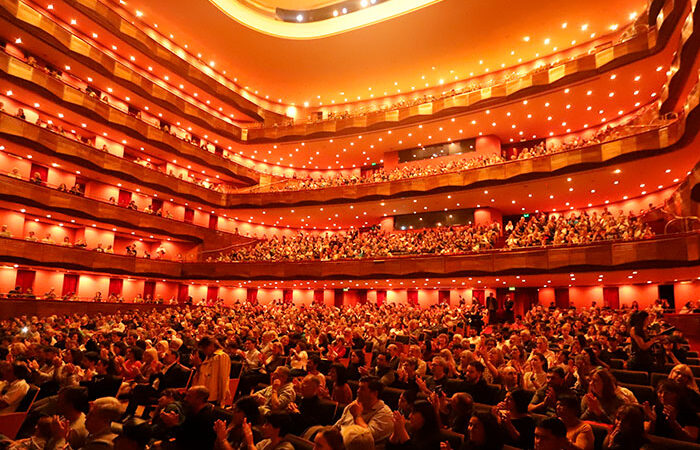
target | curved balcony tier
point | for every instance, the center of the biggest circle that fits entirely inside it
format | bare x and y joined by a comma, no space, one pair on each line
664,139
640,46
131,34
22,74
47,255
42,140
664,251
32,195
63,42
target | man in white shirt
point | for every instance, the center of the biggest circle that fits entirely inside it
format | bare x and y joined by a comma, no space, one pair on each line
368,411
13,388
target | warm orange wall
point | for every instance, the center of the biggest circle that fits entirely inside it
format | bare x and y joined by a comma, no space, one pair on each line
93,236
88,285
9,162
14,221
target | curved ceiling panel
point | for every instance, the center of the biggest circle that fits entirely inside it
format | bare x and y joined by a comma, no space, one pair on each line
260,17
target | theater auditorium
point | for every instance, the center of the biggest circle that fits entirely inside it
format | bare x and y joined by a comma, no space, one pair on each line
349,225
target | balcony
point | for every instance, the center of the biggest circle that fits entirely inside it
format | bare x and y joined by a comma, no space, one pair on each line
678,250
37,80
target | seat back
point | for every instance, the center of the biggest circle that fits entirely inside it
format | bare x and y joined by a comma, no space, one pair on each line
631,376
617,364
236,368
327,410
28,399
455,439
656,377
644,393
391,397
600,431
11,423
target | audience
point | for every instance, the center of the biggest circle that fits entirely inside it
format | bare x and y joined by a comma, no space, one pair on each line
144,360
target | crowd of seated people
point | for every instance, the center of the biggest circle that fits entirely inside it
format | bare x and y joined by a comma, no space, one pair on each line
540,230
604,134
583,228
372,243
362,377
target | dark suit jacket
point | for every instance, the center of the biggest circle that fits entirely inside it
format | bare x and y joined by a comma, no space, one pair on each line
102,386
175,377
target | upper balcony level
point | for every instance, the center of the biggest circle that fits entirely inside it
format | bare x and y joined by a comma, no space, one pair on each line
664,251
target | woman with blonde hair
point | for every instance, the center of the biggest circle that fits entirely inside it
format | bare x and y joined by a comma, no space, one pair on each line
683,375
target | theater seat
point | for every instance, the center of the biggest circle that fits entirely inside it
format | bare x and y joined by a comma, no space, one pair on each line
391,397
696,370
236,368
644,393
617,364
656,377
454,385
600,431
327,410
455,439
11,423
693,361
631,376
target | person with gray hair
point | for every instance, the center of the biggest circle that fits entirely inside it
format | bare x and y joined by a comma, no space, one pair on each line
99,420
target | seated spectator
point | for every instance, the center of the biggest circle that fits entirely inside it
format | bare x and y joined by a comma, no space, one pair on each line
683,375
628,430
604,397
368,411
274,427
578,433
671,416
550,434
329,438
197,430
483,434
13,385
338,384
39,438
245,414
279,394
32,237
424,429
514,419
305,410
545,399
98,423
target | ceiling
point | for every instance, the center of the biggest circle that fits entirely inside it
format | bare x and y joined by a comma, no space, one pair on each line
448,39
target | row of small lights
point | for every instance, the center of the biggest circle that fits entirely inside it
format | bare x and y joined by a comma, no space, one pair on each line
399,139
204,104
136,190
488,201
251,161
300,18
50,219
311,158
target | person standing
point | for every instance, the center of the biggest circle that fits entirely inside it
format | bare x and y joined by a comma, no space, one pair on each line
214,371
492,307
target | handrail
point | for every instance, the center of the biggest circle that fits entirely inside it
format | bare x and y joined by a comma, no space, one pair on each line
685,223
